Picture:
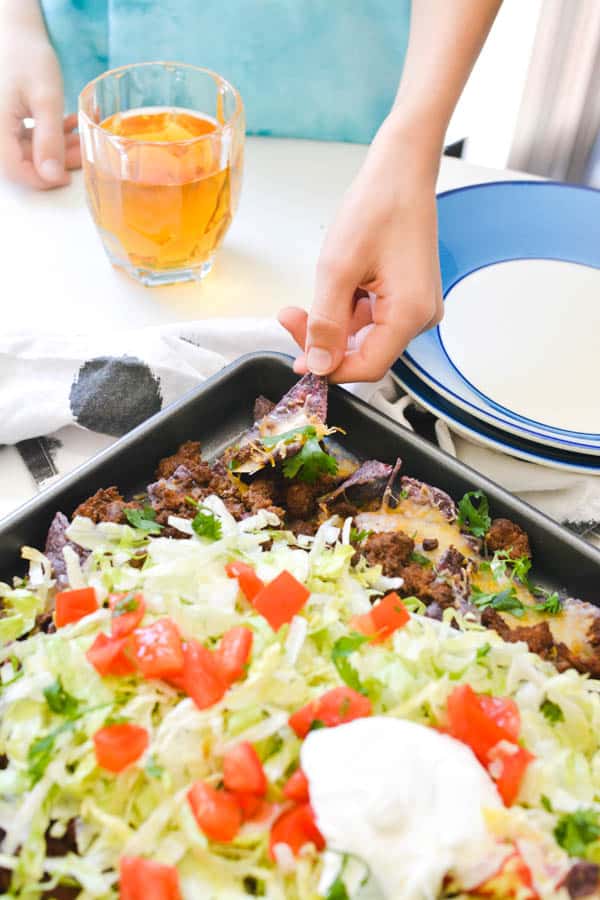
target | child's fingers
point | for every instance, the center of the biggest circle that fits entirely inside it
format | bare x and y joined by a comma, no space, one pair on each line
72,143
72,153
70,123
48,138
15,162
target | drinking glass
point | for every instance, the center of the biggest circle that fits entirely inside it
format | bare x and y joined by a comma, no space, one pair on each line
162,149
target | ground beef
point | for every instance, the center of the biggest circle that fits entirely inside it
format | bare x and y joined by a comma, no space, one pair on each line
168,495
452,561
583,879
430,544
302,526
537,637
389,549
45,622
417,581
62,845
507,535
343,508
62,892
106,505
300,500
441,592
188,455
262,407
593,633
263,494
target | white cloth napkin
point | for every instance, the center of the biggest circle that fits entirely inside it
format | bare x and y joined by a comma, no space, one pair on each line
81,392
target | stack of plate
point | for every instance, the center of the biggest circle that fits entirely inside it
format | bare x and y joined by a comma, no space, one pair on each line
515,363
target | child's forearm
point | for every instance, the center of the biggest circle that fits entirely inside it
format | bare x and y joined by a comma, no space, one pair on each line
23,15
445,39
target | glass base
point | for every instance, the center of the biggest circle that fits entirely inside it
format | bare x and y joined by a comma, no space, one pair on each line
160,277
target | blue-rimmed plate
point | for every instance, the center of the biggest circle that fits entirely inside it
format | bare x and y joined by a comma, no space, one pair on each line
479,432
518,347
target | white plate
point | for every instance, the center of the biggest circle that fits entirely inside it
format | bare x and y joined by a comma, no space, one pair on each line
481,433
521,278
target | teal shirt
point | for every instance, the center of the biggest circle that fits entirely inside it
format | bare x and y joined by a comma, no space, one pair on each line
321,69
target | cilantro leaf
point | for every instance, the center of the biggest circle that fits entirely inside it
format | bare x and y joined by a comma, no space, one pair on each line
545,801
316,725
40,752
551,604
475,517
337,891
420,558
503,601
342,649
128,603
143,519
502,565
310,462
574,831
552,711
60,701
357,537
206,524
483,650
39,756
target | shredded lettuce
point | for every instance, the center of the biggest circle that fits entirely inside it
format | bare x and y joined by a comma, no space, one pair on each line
52,777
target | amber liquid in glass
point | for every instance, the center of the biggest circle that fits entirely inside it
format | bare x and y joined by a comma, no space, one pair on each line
164,197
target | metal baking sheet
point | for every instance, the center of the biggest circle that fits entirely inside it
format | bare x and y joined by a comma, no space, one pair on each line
221,408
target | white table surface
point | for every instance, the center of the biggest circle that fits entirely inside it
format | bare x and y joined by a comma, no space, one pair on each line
56,277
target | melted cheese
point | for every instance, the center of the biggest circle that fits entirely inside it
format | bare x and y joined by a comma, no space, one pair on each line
419,521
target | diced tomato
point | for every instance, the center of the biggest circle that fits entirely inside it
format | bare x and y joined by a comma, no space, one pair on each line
339,705
249,804
157,649
249,582
128,610
216,812
480,725
296,827
108,655
202,677
71,606
513,880
233,652
243,770
505,713
296,787
384,618
143,879
281,599
118,746
508,764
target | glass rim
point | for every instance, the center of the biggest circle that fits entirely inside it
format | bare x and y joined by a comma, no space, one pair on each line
219,79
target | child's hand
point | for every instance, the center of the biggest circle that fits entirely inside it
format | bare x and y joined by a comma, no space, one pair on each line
31,87
383,240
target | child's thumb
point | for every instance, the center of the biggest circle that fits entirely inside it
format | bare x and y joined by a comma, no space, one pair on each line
48,138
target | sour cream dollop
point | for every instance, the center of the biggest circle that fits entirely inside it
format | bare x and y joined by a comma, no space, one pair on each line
404,798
